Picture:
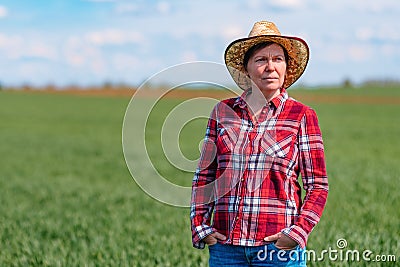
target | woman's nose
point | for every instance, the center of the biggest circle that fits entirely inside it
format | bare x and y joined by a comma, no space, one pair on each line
270,65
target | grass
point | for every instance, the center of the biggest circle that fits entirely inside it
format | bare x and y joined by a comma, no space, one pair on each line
366,91
67,197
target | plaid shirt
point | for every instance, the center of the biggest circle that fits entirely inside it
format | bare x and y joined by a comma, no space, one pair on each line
247,177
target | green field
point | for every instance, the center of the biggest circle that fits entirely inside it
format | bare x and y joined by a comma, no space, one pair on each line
68,199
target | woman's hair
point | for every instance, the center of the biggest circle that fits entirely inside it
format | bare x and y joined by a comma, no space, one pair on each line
252,50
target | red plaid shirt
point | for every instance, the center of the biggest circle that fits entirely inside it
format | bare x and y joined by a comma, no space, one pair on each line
246,182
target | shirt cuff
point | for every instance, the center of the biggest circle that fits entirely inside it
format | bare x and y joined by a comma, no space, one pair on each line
200,232
297,234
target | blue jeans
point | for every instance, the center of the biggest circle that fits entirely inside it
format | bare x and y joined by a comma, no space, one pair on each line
266,255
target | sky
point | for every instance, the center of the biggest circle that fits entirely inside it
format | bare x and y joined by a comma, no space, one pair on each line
89,42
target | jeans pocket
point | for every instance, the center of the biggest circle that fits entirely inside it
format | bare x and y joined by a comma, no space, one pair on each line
288,257
213,245
290,249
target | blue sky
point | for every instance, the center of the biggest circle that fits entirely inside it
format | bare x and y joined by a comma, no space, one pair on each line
92,41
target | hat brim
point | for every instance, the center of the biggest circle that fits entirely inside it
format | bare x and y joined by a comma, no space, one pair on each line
296,48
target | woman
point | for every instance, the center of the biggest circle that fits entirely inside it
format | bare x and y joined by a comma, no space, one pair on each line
255,148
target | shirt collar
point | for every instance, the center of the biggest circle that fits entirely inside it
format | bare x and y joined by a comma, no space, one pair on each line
240,100
276,101
280,99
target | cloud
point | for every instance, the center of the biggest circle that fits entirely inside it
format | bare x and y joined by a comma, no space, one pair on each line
163,7
89,58
390,50
364,33
360,53
253,4
286,4
7,41
39,49
16,47
101,1
374,6
78,53
3,12
115,37
126,8
34,71
233,32
358,6
276,4
188,56
123,62
142,8
383,33
344,53
83,53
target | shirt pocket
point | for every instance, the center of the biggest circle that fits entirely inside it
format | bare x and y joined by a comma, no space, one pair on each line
226,140
277,144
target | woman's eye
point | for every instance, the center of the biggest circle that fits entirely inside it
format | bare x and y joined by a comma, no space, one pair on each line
260,60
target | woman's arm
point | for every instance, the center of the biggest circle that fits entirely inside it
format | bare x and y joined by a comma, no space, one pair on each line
202,202
314,176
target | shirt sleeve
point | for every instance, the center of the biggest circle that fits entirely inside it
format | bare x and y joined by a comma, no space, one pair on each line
202,201
314,176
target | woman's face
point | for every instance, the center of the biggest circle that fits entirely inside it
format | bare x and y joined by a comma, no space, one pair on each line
267,68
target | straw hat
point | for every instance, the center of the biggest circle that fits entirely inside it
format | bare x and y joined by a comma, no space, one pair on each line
265,31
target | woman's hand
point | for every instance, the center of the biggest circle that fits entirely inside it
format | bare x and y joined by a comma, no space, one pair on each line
282,241
213,238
